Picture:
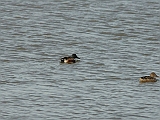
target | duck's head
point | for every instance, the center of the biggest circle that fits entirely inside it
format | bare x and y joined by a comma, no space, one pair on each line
153,75
75,56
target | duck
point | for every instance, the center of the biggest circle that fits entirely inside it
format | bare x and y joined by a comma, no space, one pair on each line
69,59
151,78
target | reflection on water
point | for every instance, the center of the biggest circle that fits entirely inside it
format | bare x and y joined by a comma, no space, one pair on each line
117,41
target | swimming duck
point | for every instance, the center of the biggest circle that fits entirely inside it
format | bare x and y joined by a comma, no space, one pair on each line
151,78
69,59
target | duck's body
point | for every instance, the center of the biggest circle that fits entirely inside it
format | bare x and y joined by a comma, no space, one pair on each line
151,78
148,79
69,59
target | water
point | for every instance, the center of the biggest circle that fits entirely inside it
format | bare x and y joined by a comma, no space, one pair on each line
117,41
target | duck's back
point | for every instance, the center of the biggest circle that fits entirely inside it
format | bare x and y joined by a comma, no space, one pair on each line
147,79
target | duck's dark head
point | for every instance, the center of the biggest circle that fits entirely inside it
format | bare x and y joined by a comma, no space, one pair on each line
75,56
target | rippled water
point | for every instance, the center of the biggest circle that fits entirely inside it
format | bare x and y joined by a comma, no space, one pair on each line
118,41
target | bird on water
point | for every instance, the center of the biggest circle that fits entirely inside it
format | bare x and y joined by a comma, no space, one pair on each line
69,59
151,78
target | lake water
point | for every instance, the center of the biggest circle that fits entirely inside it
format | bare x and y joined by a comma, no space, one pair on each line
118,41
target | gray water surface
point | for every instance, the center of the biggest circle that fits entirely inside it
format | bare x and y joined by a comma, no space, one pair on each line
118,41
